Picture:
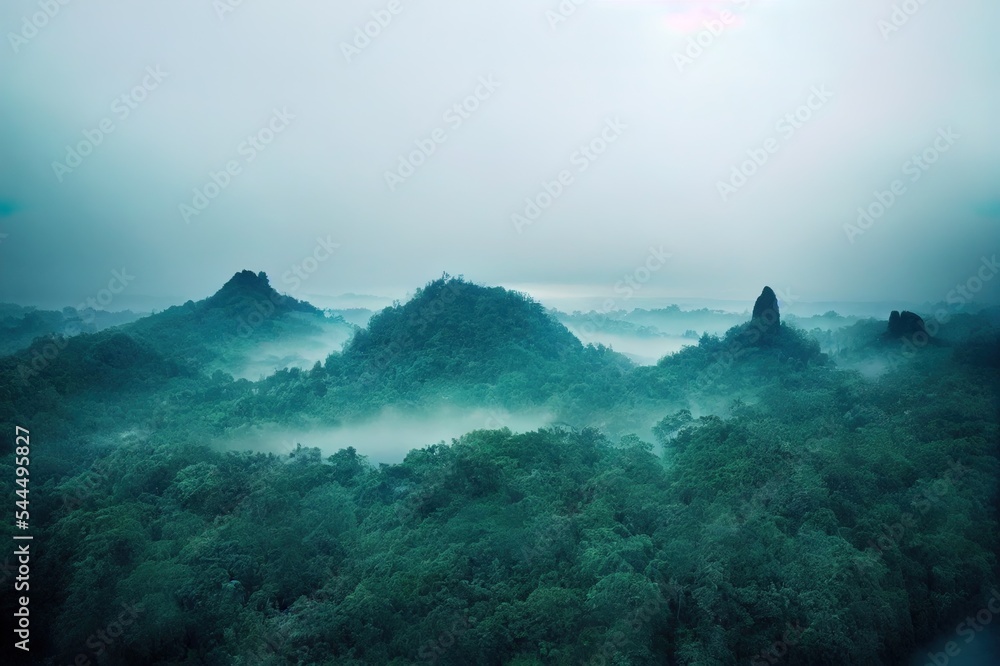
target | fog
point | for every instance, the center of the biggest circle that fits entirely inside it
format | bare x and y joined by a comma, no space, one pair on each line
388,436
640,350
302,352
279,134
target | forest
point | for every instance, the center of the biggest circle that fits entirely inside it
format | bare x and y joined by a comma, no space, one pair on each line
769,494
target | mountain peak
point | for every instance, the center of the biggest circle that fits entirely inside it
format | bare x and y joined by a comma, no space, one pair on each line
765,310
248,289
248,281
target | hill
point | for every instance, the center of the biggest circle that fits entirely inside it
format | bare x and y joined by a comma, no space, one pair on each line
246,329
457,343
20,326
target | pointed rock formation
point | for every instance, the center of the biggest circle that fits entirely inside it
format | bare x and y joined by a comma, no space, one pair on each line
765,312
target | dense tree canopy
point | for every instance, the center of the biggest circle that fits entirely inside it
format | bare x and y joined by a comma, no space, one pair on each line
745,500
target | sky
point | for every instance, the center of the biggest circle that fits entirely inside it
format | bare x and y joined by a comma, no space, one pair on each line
628,150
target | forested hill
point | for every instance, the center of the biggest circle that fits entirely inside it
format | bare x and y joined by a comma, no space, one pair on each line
453,344
452,317
20,325
468,339
798,512
228,330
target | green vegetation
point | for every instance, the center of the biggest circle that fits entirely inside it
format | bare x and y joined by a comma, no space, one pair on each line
741,499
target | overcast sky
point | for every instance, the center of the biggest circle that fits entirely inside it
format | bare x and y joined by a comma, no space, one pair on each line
672,95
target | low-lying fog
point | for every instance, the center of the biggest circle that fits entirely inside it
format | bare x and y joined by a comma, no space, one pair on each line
388,437
301,352
646,336
641,350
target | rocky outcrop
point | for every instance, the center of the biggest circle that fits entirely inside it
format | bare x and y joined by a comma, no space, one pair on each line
905,324
766,316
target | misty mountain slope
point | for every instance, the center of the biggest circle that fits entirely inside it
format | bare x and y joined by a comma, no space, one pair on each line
245,329
479,341
453,346
20,326
853,514
86,380
454,317
707,377
869,347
